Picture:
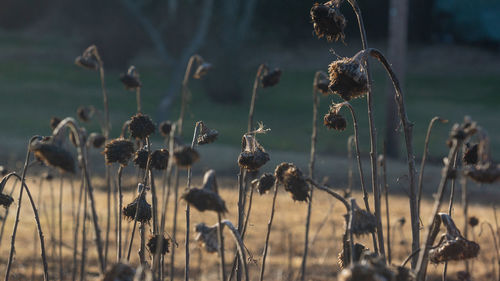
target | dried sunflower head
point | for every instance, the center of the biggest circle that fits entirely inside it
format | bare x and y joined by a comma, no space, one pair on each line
321,84
253,155
141,126
271,78
207,236
328,21
464,130
202,70
265,183
97,140
6,200
118,150
159,159
483,172
473,221
144,214
363,222
185,156
89,58
343,260
119,272
131,79
348,78
292,179
154,241
54,121
141,157
470,156
165,128
206,135
84,113
207,197
453,249
52,154
334,120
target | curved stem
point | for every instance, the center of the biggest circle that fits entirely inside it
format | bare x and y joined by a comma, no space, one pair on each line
120,207
239,245
268,234
221,247
84,236
383,165
18,212
185,90
424,158
421,265
331,192
254,96
77,226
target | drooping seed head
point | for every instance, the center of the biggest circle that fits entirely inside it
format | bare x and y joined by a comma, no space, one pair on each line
348,78
119,272
88,59
292,179
185,156
159,159
470,156
141,158
464,130
483,172
207,236
165,128
52,154
202,70
322,84
153,244
118,150
253,156
6,200
131,79
84,113
363,222
141,126
454,249
336,121
144,214
206,135
206,198
54,121
473,221
265,183
328,21
271,78
96,140
343,260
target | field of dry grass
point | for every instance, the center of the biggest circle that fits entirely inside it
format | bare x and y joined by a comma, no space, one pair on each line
287,237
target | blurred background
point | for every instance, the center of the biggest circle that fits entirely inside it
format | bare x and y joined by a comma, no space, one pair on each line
446,53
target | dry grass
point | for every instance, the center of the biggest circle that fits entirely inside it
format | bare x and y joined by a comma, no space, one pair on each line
286,244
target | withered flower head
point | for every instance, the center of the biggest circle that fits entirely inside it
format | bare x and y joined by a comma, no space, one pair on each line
473,221
6,200
328,21
463,130
141,157
119,272
207,236
52,154
343,260
202,70
321,84
334,120
271,78
131,79
144,214
159,159
54,121
3,171
165,128
88,59
348,78
253,155
85,113
97,140
207,197
206,135
119,150
185,156
363,222
265,183
483,172
154,241
141,126
368,269
470,154
292,179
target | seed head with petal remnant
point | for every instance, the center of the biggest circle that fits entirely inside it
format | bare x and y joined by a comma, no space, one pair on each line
141,126
144,215
206,198
292,179
118,150
85,113
265,183
348,78
153,244
328,21
253,156
334,120
159,159
363,222
206,135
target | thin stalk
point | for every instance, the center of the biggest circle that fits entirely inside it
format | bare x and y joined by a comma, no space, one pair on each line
138,98
2,229
465,208
349,230
450,208
421,266
77,226
174,224
108,217
256,84
61,271
360,169
35,249
154,202
52,223
84,236
142,249
312,160
383,166
424,157
268,234
331,192
350,177
497,252
221,247
120,207
16,223
239,245
188,211
373,132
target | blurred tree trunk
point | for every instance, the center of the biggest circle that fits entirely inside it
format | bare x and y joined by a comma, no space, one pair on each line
397,47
